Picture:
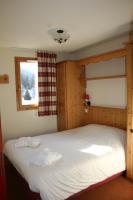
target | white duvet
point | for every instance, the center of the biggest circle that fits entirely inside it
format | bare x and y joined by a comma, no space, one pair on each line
90,154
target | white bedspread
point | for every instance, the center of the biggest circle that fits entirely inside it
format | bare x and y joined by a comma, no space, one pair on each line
90,154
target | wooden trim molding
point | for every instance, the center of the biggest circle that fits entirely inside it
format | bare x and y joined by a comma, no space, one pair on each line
103,57
106,77
20,59
21,107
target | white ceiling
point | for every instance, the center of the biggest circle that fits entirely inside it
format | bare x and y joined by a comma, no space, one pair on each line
25,23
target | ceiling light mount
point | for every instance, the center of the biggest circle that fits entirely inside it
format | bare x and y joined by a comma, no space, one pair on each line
60,31
59,35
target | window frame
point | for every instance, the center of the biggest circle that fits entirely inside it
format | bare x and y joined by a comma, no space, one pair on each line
21,107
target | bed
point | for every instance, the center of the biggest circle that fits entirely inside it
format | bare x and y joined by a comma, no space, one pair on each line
90,154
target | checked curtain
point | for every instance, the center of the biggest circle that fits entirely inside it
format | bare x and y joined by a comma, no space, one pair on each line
46,83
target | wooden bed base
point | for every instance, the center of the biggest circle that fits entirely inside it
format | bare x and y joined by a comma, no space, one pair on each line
30,195
11,172
95,185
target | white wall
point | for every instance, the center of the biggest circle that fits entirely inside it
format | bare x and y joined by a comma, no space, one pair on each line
20,123
102,47
107,68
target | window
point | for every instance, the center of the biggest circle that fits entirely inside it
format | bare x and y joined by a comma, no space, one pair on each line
26,83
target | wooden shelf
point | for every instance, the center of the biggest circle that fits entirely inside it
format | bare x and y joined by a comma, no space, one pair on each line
106,77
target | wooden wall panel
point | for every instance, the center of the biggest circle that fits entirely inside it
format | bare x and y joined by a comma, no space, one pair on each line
108,116
70,90
129,64
75,94
61,97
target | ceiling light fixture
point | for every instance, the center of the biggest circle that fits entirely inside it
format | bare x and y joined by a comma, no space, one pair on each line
59,35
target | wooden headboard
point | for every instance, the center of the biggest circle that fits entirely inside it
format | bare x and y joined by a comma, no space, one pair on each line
108,116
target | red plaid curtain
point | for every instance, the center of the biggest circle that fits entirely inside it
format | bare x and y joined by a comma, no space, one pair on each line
46,83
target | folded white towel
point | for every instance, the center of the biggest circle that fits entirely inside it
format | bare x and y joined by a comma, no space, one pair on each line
27,142
45,157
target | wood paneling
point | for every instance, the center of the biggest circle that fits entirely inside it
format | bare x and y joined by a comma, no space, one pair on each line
71,114
74,95
108,116
70,90
61,97
103,57
129,64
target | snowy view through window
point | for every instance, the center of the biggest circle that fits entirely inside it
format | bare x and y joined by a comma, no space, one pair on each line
29,82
